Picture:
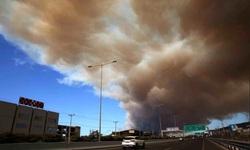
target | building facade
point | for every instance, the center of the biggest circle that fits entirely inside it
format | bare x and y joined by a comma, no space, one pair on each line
63,130
24,119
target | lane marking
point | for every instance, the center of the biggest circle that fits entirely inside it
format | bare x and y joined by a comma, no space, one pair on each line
168,148
183,143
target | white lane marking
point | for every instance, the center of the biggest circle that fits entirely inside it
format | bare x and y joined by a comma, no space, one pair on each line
168,148
203,144
183,143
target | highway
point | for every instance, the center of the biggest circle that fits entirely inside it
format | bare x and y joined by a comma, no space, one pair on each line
198,144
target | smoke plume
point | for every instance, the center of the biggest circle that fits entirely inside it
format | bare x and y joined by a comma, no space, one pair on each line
192,56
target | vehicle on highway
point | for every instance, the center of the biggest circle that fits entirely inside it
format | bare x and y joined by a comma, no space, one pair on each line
181,139
132,142
193,138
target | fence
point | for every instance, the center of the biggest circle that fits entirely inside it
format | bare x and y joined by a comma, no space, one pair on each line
230,144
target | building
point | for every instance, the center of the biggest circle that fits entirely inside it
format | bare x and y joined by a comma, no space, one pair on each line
25,119
62,130
130,132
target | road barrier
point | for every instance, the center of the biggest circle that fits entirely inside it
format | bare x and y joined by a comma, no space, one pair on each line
230,144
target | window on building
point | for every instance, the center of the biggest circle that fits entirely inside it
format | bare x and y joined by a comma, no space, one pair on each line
39,118
72,130
23,116
52,120
19,125
35,127
51,128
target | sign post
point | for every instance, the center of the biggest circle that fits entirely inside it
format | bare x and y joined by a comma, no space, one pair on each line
233,127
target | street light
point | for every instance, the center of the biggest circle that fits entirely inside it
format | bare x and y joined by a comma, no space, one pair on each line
159,118
174,120
71,115
101,65
115,126
184,129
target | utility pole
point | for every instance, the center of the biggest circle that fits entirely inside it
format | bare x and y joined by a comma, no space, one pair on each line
160,125
160,118
71,115
222,126
183,130
174,120
115,126
139,131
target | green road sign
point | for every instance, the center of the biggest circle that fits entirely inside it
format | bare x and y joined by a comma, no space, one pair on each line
199,127
199,133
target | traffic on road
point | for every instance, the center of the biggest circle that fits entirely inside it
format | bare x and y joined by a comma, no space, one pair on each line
187,144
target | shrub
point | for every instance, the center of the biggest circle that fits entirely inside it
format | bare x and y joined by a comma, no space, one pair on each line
7,138
19,138
53,138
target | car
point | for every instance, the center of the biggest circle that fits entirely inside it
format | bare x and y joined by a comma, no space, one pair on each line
181,139
132,142
193,138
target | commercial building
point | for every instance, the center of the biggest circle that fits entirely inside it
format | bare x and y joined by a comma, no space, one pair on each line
25,119
62,129
130,132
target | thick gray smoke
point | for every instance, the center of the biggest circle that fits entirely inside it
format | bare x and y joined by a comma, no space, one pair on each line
193,55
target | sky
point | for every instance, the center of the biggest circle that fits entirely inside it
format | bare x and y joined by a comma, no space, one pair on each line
22,77
196,64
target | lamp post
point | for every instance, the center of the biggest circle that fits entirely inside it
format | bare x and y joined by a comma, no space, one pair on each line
115,126
184,129
174,120
71,115
159,118
101,65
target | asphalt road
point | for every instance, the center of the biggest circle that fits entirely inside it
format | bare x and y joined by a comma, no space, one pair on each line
198,144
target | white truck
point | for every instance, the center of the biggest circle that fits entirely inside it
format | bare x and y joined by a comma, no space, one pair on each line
132,142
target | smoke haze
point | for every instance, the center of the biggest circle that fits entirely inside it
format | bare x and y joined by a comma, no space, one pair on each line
193,55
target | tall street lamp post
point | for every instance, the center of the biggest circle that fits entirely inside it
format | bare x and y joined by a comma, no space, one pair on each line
101,65
160,118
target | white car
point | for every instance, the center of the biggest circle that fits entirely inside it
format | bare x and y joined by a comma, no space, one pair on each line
132,141
181,139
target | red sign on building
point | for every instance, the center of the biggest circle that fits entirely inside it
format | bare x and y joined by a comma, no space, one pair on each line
30,102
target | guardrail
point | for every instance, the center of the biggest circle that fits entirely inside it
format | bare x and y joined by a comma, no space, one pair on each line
229,144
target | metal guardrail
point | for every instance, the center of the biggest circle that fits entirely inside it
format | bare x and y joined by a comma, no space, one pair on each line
235,145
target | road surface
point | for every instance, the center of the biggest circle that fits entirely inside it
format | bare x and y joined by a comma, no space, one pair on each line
198,144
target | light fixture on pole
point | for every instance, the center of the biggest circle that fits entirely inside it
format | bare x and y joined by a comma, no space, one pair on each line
159,117
101,65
